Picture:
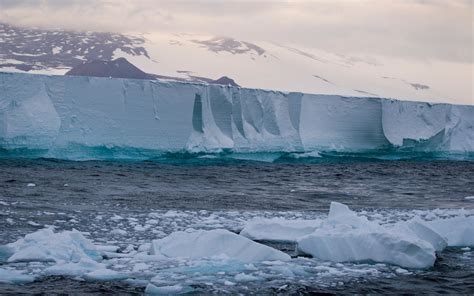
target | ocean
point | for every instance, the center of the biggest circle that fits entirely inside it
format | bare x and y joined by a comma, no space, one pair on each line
150,198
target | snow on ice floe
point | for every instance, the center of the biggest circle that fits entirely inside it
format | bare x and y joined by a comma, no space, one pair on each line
278,229
214,243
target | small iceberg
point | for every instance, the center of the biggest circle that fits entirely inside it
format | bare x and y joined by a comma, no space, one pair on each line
345,236
46,245
218,243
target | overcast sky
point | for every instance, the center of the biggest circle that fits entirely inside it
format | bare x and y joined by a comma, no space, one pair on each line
412,29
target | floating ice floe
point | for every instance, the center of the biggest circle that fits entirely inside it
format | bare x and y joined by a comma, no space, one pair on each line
214,243
46,245
8,276
74,269
277,229
167,290
345,236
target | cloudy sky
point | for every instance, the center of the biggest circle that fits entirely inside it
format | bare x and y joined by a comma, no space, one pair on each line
419,29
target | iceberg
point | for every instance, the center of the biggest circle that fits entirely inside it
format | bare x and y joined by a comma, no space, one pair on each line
60,115
218,243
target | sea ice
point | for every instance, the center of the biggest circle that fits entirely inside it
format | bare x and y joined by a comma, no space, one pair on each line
214,243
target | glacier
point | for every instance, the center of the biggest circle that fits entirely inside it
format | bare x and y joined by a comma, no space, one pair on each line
58,114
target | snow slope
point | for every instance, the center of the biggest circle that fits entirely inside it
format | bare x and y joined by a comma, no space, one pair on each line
58,112
251,63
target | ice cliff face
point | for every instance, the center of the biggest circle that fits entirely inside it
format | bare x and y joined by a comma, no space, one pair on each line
49,112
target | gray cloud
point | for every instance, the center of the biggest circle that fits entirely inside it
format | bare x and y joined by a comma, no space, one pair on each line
416,29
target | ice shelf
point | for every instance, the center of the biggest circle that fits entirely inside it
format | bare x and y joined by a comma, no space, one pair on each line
58,113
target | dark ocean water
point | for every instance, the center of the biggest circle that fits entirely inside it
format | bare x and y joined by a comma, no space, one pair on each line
73,193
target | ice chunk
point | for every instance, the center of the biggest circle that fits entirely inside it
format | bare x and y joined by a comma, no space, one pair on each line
279,229
214,243
46,245
8,276
340,213
167,290
74,268
347,237
242,277
104,275
458,231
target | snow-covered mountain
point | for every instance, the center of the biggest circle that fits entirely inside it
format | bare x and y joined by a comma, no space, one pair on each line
254,64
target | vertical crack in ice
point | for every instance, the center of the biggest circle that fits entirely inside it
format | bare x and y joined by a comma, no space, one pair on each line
221,108
270,114
252,110
198,125
237,111
294,109
154,101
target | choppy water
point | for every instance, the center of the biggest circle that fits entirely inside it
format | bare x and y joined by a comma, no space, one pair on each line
205,192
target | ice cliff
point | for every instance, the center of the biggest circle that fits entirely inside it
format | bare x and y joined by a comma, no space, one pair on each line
54,112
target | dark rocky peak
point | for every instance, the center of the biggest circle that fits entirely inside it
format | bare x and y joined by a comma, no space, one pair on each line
119,68
224,80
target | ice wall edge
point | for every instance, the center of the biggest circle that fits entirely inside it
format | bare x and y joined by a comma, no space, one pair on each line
53,112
